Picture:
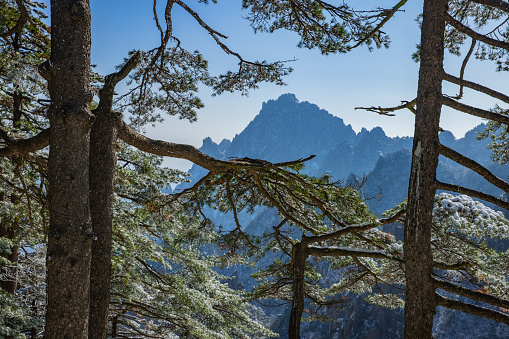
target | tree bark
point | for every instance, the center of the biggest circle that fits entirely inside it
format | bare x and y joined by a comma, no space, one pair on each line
9,231
103,162
298,263
420,290
69,235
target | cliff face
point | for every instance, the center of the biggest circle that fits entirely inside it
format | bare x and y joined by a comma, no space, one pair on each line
287,129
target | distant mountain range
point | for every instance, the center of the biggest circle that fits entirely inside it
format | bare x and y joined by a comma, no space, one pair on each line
287,129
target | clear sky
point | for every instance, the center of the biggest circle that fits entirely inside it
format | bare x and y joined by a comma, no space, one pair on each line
337,83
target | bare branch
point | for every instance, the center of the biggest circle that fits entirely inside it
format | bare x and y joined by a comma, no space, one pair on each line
386,110
472,309
25,146
477,87
474,295
191,153
472,193
463,66
474,166
478,112
106,93
388,16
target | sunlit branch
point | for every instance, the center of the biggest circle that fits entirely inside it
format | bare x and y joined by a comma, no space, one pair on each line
387,110
191,153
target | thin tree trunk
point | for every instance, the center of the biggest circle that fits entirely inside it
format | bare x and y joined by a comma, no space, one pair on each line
420,290
102,170
9,231
298,261
70,234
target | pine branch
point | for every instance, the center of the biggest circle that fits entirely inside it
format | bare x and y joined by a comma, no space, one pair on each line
475,35
388,15
498,4
23,17
352,228
319,251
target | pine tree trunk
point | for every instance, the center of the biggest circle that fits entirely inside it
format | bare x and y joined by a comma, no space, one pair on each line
9,231
70,234
102,170
420,292
299,261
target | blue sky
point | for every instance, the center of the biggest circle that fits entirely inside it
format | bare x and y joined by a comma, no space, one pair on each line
337,83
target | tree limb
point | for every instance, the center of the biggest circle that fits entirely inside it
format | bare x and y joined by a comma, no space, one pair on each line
26,146
388,15
474,166
463,66
23,16
386,110
352,228
477,87
498,4
191,153
504,119
472,193
107,91
471,294
474,35
318,251
472,309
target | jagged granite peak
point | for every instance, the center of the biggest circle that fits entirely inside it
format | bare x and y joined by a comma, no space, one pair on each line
287,129
225,144
209,147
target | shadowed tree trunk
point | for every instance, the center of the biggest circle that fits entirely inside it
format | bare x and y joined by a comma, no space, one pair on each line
420,291
103,161
298,263
69,235
102,169
9,230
